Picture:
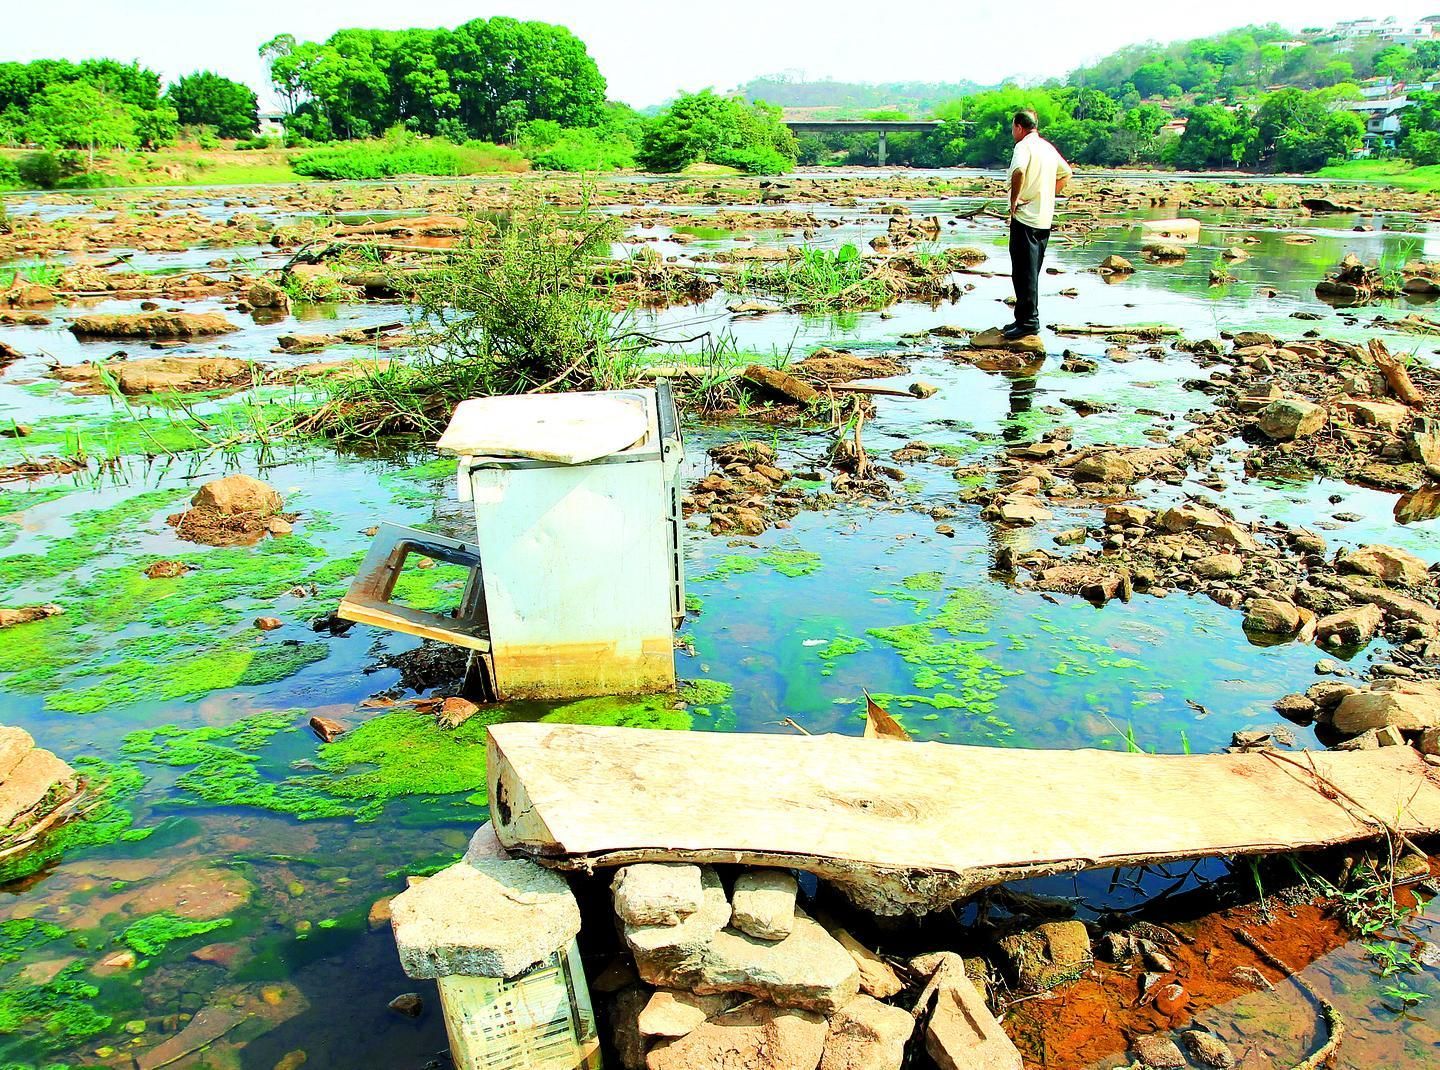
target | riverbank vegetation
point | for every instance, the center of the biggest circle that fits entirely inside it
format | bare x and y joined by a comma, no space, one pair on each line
373,104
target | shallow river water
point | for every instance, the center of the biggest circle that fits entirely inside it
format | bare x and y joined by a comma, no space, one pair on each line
264,851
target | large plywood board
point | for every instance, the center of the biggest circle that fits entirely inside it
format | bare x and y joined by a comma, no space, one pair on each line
914,826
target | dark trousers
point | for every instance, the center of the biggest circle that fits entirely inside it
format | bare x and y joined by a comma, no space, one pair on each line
1027,254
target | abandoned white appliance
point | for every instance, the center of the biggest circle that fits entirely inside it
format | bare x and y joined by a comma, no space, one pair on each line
576,582
542,1020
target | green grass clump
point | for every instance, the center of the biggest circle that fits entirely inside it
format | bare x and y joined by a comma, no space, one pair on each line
820,280
153,933
362,160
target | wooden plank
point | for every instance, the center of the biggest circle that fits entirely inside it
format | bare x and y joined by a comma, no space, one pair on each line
915,826
400,619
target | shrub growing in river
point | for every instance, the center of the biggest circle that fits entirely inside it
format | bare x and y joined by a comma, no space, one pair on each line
385,159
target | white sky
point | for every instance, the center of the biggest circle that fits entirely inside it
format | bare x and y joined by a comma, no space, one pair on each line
649,51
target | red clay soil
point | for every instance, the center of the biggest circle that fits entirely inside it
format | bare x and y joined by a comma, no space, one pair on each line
1091,1021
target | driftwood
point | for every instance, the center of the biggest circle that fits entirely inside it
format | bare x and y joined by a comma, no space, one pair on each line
1395,374
916,826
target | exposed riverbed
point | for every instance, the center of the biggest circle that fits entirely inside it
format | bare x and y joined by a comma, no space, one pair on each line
263,851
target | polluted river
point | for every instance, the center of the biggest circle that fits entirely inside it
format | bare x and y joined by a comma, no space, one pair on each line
219,897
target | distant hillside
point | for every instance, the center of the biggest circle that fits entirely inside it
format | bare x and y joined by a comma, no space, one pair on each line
915,98
1242,62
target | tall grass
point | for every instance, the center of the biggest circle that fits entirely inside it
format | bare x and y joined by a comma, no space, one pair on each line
820,280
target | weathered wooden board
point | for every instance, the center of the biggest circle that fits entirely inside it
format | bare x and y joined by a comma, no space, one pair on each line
914,826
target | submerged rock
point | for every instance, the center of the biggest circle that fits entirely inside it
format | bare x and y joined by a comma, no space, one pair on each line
1158,1052
237,509
237,494
27,614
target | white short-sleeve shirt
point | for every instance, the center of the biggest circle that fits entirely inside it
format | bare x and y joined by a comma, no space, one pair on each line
1039,164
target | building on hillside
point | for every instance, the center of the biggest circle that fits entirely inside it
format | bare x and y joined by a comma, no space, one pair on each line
1390,29
1382,121
271,124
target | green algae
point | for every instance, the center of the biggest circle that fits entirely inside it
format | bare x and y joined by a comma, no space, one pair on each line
150,935
398,754
60,1013
791,562
942,662
20,936
840,647
178,638
705,692
105,820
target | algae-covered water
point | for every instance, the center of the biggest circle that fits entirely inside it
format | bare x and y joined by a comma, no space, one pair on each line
234,862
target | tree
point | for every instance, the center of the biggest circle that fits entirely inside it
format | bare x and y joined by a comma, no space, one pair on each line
207,99
77,115
456,81
1420,129
704,126
1215,137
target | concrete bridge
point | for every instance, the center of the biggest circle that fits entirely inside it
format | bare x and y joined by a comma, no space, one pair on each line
861,126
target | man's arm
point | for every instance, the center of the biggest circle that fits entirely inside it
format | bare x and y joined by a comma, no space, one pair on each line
1063,174
1016,178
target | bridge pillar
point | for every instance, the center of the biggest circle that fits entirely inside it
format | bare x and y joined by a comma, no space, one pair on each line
882,148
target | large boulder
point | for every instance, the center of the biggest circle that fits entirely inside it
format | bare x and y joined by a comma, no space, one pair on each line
1386,564
1272,616
674,1014
665,953
755,1036
496,918
1103,467
807,969
1407,705
1286,419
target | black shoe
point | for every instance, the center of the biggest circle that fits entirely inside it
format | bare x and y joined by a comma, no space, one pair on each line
1015,332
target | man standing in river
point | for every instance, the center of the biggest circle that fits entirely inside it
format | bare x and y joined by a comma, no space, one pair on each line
1037,175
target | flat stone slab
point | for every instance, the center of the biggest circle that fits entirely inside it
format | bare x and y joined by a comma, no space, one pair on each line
496,918
674,1014
808,969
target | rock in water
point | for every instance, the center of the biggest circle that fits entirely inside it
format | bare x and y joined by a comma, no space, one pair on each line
1158,1052
327,729
962,1034
755,1036
1209,1050
409,1004
495,918
1048,955
26,614
763,904
1285,419
151,325
1272,616
236,494
1386,564
1408,705
807,969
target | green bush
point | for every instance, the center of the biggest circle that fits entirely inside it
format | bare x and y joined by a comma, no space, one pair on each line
9,176
719,129
39,170
759,160
252,144
583,150
386,159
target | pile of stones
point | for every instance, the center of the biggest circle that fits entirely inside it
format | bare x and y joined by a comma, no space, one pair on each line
703,975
